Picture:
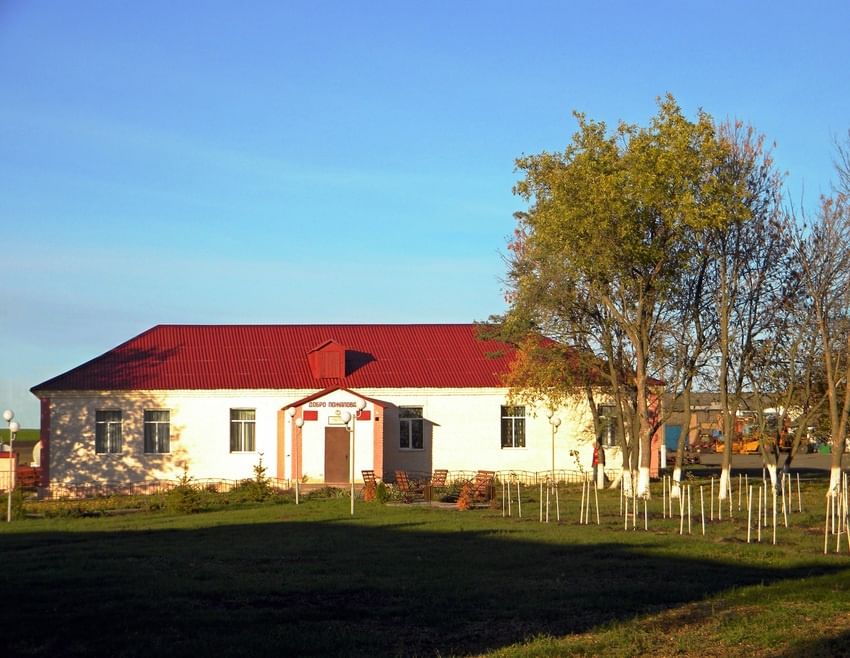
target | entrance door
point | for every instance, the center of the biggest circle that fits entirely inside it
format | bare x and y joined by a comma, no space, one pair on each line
336,455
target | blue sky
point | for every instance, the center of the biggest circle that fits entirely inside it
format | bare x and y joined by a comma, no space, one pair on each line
305,162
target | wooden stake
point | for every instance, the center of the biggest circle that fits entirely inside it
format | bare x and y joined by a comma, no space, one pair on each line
799,495
826,525
740,491
622,490
690,509
664,497
645,515
634,502
758,525
702,509
846,519
764,492
749,513
581,511
503,498
711,506
681,512
557,504
541,502
784,510
518,500
596,497
774,516
731,495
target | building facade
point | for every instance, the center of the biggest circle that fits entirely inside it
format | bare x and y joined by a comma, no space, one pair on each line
213,400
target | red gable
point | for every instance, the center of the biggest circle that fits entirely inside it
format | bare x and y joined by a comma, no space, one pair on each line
327,361
204,357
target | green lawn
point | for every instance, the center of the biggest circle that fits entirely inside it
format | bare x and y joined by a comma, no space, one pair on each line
280,579
21,436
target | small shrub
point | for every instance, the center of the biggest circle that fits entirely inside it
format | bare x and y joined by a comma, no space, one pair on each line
17,504
382,493
185,498
325,493
255,490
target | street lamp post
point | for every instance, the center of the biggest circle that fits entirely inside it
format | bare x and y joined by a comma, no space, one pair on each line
348,418
8,415
554,421
296,461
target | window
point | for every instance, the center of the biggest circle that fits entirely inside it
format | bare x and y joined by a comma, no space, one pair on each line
410,426
242,429
513,427
607,424
157,430
107,431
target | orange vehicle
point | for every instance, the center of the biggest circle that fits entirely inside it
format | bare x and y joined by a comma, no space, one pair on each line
748,435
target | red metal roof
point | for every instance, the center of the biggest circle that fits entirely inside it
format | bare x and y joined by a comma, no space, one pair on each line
205,357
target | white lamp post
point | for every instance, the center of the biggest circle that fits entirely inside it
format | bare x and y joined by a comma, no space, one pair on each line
299,423
8,415
292,469
348,418
555,422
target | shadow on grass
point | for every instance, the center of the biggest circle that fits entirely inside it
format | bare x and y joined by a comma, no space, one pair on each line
824,647
333,588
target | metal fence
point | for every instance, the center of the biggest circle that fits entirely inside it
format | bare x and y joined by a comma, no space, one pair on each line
72,490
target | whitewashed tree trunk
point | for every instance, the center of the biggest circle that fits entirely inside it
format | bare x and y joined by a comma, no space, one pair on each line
627,483
725,474
643,482
600,477
771,469
675,490
834,480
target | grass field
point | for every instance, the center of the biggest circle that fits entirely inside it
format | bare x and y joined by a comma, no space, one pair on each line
280,579
21,436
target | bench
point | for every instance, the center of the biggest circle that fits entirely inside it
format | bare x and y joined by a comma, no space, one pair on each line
410,490
437,481
370,485
484,488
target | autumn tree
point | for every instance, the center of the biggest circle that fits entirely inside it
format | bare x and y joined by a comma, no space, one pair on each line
687,343
614,216
748,270
823,251
569,347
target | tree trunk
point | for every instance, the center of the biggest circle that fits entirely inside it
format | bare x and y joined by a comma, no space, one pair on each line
684,436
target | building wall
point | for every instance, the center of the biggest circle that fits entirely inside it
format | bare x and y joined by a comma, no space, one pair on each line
200,435
462,432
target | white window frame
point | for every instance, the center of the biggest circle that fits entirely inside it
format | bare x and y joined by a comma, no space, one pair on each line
513,423
239,438
108,432
406,426
160,441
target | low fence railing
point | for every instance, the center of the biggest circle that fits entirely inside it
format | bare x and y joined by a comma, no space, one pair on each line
219,485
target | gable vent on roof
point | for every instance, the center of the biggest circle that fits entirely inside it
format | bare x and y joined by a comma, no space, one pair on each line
327,361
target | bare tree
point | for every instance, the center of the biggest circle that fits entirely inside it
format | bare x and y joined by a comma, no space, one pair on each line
747,270
823,252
